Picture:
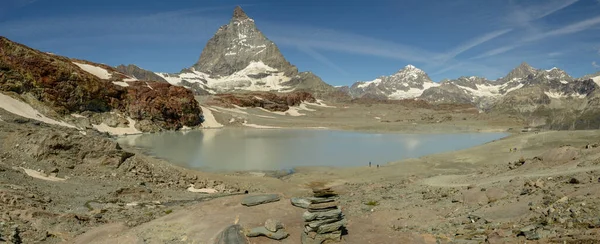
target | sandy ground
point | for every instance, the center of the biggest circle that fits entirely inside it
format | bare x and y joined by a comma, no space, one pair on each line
547,190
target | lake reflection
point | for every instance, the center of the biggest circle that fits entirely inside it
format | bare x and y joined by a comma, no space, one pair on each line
275,149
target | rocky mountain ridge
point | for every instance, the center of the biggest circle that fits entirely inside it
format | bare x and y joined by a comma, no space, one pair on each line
412,82
549,98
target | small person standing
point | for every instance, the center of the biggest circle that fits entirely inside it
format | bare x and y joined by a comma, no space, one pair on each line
369,163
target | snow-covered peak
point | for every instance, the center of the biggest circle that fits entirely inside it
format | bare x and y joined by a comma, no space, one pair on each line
596,80
553,68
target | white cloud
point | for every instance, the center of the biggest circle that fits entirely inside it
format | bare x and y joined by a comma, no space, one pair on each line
595,64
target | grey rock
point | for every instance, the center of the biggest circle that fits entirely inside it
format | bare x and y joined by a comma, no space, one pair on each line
314,238
234,234
331,214
300,202
322,206
139,73
331,227
273,225
260,199
262,231
320,199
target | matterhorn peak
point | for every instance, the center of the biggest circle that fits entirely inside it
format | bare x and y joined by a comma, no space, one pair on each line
239,14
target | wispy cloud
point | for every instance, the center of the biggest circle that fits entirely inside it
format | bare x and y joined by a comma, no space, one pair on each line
473,43
555,54
331,40
569,29
324,60
519,17
595,64
522,16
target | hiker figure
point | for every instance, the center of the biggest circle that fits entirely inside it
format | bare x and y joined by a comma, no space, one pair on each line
369,163
378,166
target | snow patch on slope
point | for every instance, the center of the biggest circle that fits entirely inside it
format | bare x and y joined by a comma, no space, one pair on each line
209,119
25,110
368,83
117,131
259,126
94,70
412,92
555,95
269,79
596,80
121,83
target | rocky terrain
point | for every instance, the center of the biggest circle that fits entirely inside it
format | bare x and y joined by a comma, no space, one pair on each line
530,187
56,183
59,87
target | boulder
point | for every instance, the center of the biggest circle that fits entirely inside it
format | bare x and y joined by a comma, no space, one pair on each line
233,234
260,199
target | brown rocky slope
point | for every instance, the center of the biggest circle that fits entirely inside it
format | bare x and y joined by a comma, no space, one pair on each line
61,85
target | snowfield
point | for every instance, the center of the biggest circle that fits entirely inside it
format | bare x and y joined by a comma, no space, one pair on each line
94,70
241,80
25,110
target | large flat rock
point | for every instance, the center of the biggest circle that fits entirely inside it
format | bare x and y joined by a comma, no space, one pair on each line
260,199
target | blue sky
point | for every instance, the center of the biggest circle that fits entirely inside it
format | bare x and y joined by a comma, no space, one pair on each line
341,41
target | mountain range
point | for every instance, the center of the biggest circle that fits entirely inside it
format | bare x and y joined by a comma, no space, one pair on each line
240,58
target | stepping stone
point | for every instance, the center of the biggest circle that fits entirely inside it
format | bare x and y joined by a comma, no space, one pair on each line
234,234
260,199
262,231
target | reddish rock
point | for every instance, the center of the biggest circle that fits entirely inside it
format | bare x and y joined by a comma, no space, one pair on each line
267,100
60,84
170,107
